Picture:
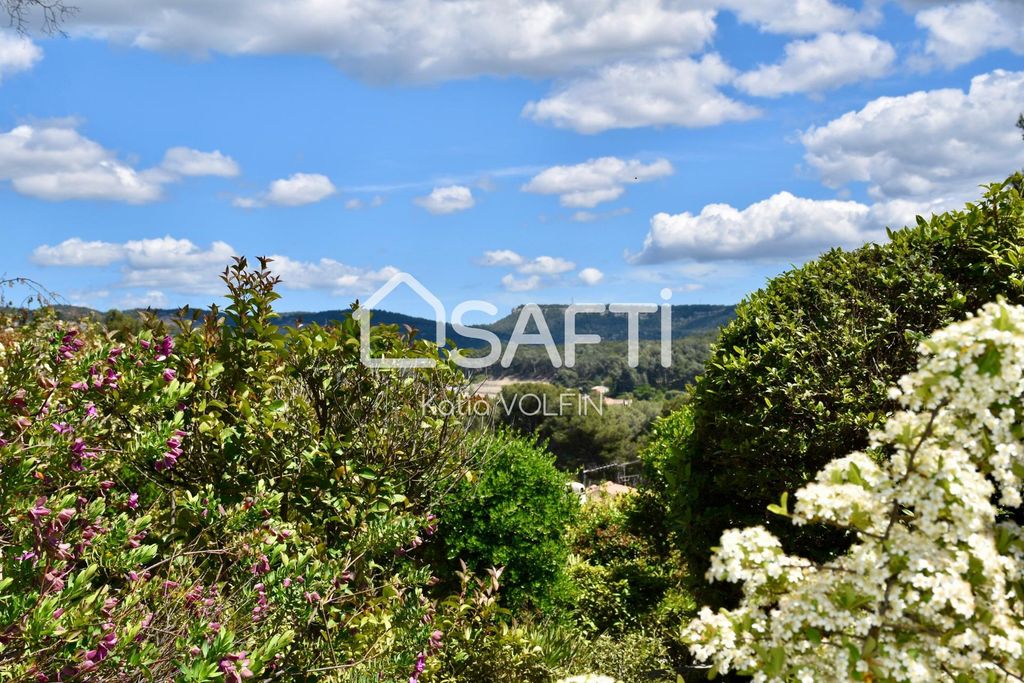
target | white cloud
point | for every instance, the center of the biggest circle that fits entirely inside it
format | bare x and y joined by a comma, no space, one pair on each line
180,265
793,16
513,284
546,265
164,262
931,146
780,227
78,252
354,204
447,199
153,298
595,181
960,32
412,40
675,92
825,62
501,257
591,276
540,271
17,53
330,275
921,153
190,162
53,161
297,189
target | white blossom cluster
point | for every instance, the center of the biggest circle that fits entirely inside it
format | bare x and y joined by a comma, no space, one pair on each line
932,588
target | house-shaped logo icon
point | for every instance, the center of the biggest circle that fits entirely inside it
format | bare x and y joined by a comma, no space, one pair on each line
363,316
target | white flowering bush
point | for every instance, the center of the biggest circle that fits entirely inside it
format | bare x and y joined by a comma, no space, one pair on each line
931,588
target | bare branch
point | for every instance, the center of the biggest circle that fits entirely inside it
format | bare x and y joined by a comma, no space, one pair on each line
48,15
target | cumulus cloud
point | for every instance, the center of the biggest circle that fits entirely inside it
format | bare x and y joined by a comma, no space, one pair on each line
153,298
672,92
527,284
53,161
177,264
959,32
932,146
546,265
782,226
501,257
918,154
297,189
591,276
793,16
180,265
190,162
823,63
78,252
17,53
540,271
412,40
447,199
595,181
330,275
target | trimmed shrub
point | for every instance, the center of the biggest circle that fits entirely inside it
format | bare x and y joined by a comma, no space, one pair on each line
515,514
802,374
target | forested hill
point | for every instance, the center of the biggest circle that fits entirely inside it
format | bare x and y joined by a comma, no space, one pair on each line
687,320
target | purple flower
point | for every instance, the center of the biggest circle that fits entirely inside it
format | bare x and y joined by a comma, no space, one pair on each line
169,375
39,510
62,428
133,501
80,386
235,667
262,566
421,664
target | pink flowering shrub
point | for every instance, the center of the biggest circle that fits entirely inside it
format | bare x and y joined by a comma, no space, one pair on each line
230,502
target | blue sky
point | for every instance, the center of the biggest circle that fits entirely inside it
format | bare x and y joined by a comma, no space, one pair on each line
506,150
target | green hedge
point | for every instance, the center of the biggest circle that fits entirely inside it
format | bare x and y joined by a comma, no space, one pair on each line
802,374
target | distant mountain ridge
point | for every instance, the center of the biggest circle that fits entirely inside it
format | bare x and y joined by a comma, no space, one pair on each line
687,319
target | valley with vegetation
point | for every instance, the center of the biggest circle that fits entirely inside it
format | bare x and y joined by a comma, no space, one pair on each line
830,482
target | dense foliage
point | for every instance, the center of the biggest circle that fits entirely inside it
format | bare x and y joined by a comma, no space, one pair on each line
802,374
930,589
515,515
605,364
234,501
578,429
